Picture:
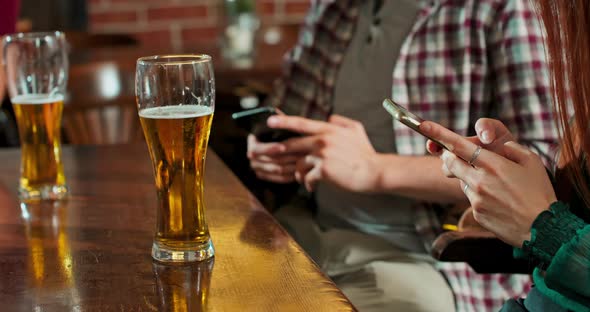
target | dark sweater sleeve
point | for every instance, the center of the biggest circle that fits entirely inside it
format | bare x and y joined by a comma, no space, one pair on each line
550,231
560,242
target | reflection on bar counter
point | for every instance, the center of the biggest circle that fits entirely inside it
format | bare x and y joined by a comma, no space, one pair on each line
50,264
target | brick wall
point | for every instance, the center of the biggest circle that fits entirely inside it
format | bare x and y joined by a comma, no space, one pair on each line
178,22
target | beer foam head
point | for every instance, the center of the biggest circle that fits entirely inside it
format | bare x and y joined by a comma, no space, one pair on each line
37,99
176,112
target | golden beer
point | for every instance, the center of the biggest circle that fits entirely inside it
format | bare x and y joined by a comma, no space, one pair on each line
39,120
177,139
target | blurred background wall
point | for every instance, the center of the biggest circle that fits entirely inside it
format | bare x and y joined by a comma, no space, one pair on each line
165,23
176,22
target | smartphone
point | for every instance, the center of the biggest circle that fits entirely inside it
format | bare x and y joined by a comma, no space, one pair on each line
404,116
254,121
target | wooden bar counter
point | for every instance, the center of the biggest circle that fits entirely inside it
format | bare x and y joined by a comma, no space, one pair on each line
92,251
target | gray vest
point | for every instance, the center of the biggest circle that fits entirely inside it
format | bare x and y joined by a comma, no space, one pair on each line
364,80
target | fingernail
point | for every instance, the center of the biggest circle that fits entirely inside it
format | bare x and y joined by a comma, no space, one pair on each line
510,143
485,137
425,127
272,121
435,147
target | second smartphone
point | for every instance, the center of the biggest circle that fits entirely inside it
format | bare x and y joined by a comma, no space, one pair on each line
254,121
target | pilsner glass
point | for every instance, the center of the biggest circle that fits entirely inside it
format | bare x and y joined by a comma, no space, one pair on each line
176,99
37,70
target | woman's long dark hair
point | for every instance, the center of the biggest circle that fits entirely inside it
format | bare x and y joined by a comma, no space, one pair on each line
568,45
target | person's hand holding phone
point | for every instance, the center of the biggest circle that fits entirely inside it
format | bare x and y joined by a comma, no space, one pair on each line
337,151
492,134
267,156
507,190
271,161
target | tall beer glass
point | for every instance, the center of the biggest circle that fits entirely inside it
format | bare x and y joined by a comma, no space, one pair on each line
176,99
37,70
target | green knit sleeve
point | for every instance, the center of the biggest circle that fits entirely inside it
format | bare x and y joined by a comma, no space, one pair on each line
550,231
560,241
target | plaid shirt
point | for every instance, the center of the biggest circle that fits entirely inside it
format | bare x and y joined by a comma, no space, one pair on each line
462,60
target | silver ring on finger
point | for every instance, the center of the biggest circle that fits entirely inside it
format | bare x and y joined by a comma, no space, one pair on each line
474,155
465,188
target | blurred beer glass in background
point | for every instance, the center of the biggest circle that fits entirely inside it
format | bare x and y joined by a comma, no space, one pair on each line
37,69
176,99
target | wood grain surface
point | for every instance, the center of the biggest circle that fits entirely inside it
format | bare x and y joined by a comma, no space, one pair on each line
92,251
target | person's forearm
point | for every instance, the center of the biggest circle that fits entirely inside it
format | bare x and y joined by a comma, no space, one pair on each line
419,177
